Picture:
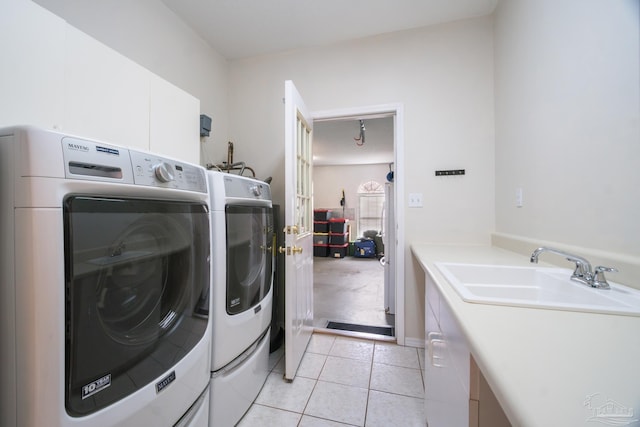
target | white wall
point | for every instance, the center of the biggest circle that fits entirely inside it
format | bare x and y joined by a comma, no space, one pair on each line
568,123
150,34
443,76
329,181
567,109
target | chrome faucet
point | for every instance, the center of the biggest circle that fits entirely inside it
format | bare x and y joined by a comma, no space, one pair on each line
583,272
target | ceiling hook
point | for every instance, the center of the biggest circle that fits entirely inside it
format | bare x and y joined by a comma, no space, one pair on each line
360,139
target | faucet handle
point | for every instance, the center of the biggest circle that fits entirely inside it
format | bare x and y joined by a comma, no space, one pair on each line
582,270
599,281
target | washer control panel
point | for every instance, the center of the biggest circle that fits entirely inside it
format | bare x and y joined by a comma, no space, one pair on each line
90,160
156,171
246,188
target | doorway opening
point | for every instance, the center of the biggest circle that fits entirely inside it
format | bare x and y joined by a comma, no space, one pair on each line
353,151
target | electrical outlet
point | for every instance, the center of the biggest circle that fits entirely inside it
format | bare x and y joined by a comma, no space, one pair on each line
415,200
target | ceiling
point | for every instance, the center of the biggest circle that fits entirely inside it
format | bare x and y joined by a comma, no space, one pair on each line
244,28
334,143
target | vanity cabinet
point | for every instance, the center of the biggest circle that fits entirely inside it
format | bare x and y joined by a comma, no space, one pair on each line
446,372
456,393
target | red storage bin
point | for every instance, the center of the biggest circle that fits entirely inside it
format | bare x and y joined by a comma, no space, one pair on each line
338,251
320,226
338,239
321,250
321,214
338,225
321,238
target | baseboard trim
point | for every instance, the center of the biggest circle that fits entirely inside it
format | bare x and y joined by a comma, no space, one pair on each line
414,342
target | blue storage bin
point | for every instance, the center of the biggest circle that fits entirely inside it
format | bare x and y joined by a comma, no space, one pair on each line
364,248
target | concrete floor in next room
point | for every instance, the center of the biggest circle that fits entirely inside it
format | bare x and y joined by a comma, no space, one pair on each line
349,290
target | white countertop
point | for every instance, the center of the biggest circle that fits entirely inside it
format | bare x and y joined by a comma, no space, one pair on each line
541,364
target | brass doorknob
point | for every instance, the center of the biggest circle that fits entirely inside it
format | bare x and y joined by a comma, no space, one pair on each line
296,250
282,249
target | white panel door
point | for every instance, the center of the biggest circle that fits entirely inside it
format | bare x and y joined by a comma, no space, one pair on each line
298,247
389,240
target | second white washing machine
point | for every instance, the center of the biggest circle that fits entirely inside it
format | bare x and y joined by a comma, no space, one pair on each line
242,253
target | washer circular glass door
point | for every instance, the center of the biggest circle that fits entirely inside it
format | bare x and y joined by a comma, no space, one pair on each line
135,300
249,256
137,278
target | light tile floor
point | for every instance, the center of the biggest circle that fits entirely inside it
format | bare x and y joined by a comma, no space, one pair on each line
344,381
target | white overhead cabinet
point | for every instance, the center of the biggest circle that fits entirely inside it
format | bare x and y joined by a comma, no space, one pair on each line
31,75
55,76
174,121
106,94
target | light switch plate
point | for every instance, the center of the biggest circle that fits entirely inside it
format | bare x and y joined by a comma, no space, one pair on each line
519,198
415,200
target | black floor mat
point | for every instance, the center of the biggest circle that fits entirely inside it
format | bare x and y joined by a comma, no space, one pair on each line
378,330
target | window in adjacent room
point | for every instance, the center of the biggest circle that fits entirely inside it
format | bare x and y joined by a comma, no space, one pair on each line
370,205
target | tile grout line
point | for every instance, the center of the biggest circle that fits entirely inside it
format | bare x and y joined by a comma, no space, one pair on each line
376,347
373,357
326,357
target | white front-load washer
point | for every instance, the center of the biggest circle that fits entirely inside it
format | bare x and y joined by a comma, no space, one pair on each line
104,287
242,242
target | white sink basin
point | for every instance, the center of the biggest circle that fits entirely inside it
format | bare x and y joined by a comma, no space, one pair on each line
537,287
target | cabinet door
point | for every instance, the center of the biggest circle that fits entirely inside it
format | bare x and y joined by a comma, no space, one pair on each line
174,121
446,400
106,94
436,384
31,75
432,296
456,345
